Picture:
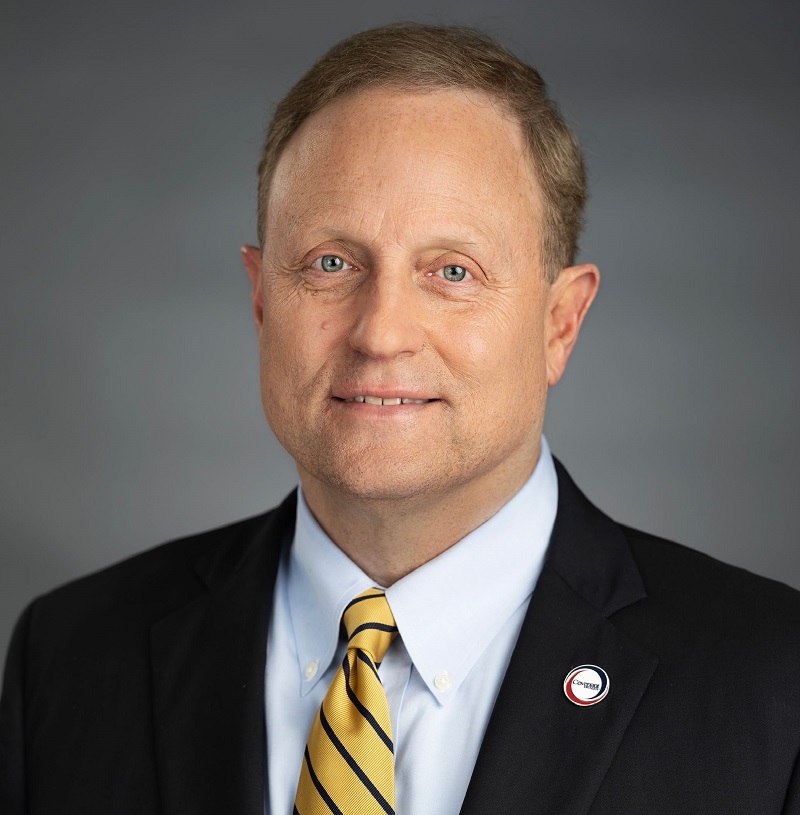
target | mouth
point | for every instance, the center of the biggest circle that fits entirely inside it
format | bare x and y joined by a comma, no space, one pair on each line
386,400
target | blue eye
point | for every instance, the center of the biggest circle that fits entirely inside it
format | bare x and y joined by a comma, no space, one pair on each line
330,263
455,274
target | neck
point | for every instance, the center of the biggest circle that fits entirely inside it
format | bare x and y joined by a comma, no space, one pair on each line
390,537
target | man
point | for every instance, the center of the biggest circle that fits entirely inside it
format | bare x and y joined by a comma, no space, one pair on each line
438,621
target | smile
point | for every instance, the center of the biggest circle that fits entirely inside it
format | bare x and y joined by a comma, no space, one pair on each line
398,400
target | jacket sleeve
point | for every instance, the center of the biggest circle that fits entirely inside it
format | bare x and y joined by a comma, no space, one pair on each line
12,747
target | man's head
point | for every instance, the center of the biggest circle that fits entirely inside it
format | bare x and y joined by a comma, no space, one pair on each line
418,58
402,263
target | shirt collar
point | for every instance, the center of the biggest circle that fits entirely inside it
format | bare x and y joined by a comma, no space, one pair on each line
321,581
449,609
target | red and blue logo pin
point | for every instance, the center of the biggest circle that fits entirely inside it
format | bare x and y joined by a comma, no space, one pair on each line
586,685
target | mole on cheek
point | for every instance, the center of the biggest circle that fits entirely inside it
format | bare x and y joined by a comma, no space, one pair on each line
326,325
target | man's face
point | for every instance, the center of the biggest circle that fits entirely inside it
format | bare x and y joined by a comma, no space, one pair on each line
406,335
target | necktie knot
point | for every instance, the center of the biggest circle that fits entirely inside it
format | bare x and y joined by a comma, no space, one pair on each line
369,623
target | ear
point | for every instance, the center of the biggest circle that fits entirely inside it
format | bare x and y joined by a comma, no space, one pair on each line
251,257
569,300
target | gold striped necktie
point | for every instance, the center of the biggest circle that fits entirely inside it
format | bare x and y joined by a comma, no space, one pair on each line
348,766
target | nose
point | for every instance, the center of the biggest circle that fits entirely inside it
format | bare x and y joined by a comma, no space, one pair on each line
387,317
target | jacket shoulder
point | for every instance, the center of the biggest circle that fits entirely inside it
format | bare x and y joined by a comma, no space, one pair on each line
697,597
119,603
671,565
156,567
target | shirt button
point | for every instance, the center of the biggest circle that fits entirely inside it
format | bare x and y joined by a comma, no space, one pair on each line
442,682
310,671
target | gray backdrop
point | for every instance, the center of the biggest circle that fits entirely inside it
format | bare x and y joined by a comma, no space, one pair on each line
130,131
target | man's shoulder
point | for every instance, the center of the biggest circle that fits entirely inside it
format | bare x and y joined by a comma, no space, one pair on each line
658,583
692,594
134,592
164,562
684,570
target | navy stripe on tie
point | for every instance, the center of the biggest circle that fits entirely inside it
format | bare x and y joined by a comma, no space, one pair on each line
367,661
359,599
374,626
362,710
320,789
362,776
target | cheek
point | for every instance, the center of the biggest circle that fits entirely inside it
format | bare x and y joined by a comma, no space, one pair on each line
500,347
280,351
296,345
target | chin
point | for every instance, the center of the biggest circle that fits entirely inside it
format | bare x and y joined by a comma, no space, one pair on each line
379,475
376,483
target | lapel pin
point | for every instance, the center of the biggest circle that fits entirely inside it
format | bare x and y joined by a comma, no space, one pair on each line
586,685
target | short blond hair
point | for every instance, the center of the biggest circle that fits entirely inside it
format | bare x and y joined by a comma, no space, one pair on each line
414,57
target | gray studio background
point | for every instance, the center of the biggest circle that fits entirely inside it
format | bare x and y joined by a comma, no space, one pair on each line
130,405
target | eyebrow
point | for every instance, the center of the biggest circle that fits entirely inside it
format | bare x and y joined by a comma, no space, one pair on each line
346,234
317,224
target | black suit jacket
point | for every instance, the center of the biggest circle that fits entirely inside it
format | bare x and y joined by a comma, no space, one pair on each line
139,689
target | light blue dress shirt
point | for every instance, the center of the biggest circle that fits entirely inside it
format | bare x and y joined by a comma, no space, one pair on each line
459,616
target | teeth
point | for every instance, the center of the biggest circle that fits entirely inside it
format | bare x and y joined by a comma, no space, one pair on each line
396,400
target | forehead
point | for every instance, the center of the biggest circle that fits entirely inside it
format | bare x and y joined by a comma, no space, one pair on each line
389,154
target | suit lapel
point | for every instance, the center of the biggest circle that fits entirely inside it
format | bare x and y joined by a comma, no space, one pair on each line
208,662
541,753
